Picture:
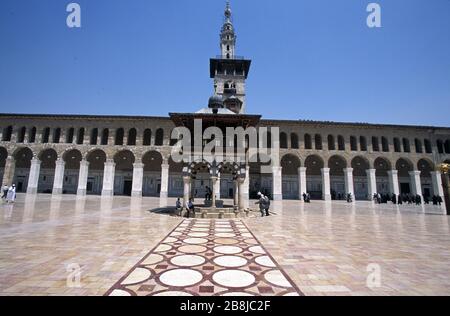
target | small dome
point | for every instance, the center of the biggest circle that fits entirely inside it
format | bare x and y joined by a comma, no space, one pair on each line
215,102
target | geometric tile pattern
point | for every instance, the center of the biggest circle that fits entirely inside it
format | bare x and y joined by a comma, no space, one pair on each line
208,258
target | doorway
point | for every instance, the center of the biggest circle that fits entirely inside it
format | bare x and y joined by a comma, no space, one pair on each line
127,187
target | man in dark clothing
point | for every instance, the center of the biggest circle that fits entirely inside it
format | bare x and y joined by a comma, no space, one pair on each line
394,199
400,200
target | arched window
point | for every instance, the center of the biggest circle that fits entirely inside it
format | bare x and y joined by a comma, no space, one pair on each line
418,145
32,135
385,144
147,137
331,143
45,135
375,144
294,141
283,141
132,137
318,142
105,136
21,135
69,136
56,135
308,141
406,145
363,143
447,146
7,133
397,146
159,137
80,136
440,146
428,148
353,143
94,136
341,143
119,137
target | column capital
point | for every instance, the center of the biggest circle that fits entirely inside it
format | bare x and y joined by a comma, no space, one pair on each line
84,163
325,170
348,170
393,172
302,169
165,166
35,161
415,173
60,162
110,161
138,165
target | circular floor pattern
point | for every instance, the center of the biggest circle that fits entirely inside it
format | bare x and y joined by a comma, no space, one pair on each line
195,241
162,248
251,241
230,261
257,250
119,293
225,235
153,259
246,235
265,261
237,294
176,234
233,278
181,277
198,235
137,276
187,260
226,241
228,250
224,230
173,293
169,240
277,278
192,249
200,229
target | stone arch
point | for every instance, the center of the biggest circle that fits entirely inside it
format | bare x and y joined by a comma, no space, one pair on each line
72,159
382,166
147,137
404,166
426,166
22,157
48,159
159,137
120,135
152,161
331,142
96,158
283,140
3,157
261,179
7,134
360,164
341,143
290,180
294,141
132,135
123,180
308,141
21,132
314,165
337,164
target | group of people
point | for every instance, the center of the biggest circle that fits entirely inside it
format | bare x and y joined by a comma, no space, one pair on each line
406,199
189,207
9,193
307,197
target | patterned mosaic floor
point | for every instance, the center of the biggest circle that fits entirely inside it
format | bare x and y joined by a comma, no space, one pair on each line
207,257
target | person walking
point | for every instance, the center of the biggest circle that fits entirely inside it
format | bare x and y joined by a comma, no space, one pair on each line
5,190
262,203
179,207
190,208
11,196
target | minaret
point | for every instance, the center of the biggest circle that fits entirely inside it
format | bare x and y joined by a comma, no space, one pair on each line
229,71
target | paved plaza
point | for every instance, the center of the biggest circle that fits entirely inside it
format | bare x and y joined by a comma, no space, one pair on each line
114,246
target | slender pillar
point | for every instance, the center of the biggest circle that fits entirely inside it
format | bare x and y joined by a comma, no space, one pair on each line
277,183
59,177
326,187
416,183
217,189
214,181
302,182
236,193
83,177
138,176
394,187
349,184
436,179
241,194
108,178
10,167
33,178
246,188
186,190
164,181
372,182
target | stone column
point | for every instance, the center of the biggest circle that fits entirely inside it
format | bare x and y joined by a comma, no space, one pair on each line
246,188
302,182
186,190
415,182
326,187
164,181
83,177
277,183
372,182
138,176
236,193
8,174
33,177
217,189
214,190
349,184
393,182
241,194
436,179
59,177
108,178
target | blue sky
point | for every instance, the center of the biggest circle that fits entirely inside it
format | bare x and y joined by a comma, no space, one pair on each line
312,59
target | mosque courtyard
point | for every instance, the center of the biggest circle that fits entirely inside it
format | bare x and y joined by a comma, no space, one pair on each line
70,245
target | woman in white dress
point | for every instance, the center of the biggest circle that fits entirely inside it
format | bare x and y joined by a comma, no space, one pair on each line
11,196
